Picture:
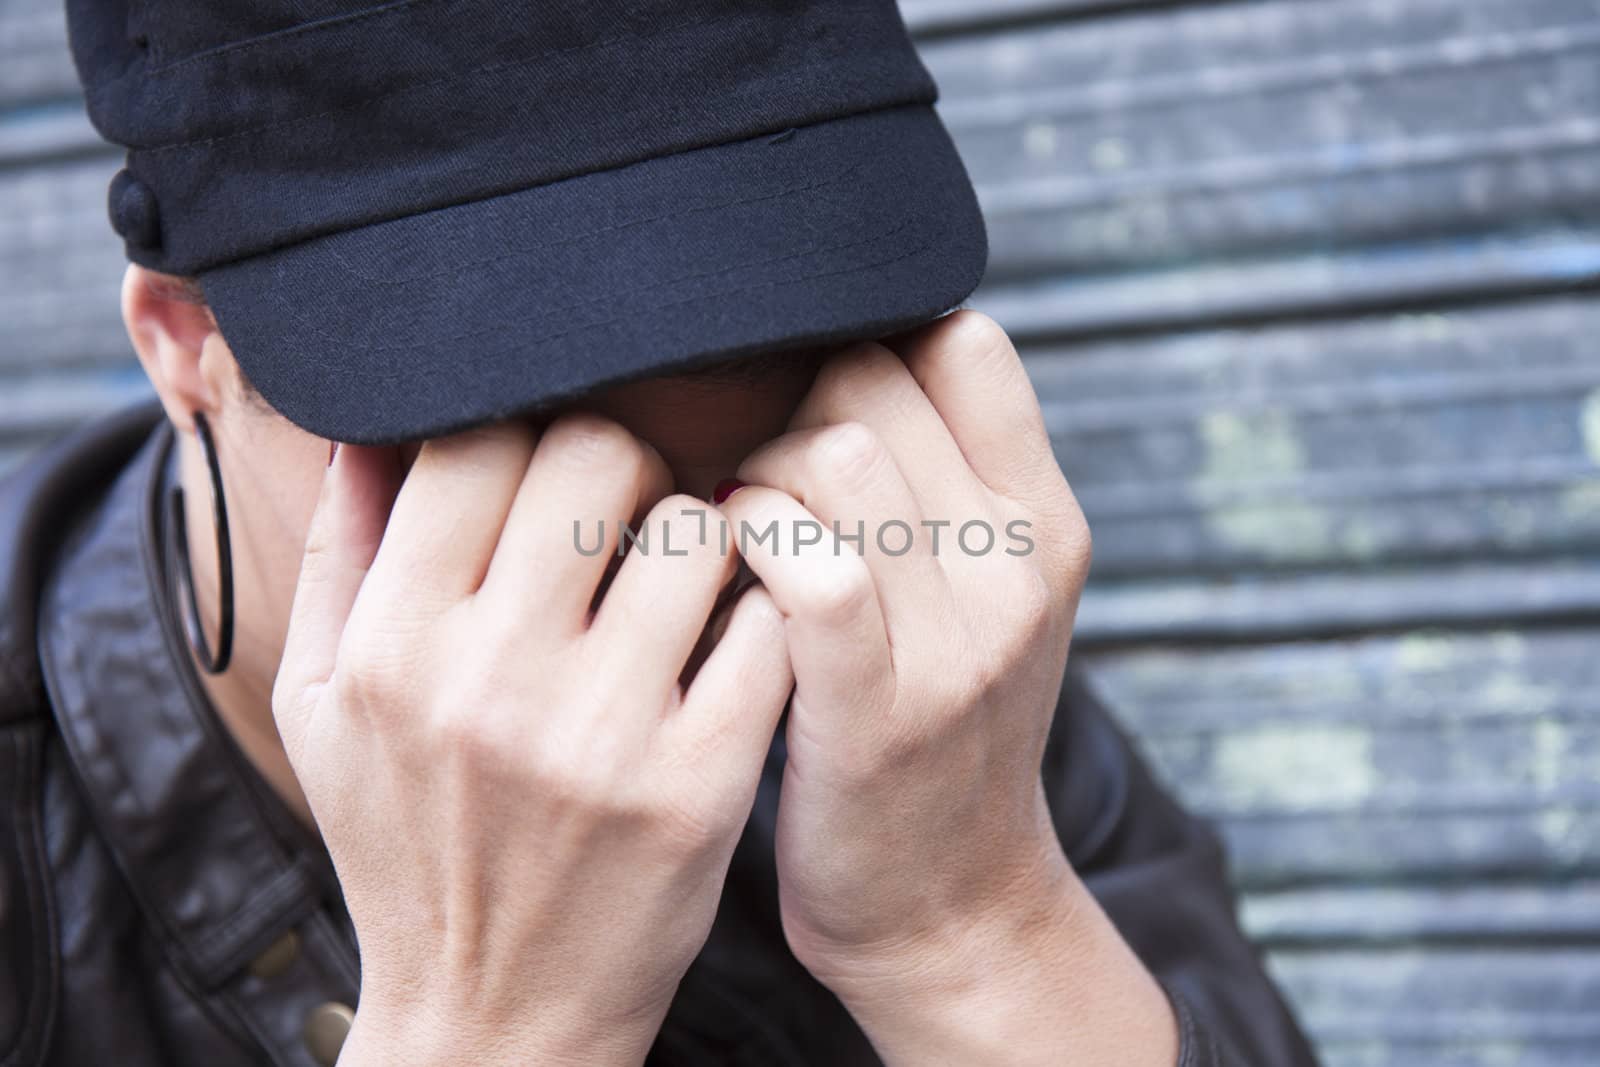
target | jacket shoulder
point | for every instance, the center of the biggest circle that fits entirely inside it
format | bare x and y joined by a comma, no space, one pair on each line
38,503
28,959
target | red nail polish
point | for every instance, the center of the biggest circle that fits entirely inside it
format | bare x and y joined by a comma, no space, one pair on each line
333,450
725,488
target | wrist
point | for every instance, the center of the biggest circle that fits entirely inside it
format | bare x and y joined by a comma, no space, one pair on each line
971,948
1041,976
424,1035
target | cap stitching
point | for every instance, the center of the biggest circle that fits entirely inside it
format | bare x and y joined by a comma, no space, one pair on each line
315,25
193,143
195,261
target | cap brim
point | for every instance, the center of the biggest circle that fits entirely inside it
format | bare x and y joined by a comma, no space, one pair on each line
421,326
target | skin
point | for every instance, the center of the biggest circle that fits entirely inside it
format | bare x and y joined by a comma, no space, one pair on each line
486,726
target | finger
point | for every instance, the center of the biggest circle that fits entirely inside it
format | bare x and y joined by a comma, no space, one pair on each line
732,708
346,529
728,596
970,372
449,513
662,596
838,641
871,385
589,477
847,477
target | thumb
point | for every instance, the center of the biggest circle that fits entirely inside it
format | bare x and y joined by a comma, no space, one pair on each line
358,491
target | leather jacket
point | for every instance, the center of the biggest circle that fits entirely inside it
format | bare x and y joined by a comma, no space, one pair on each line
159,905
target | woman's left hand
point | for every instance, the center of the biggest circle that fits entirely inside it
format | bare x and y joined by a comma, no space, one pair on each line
917,861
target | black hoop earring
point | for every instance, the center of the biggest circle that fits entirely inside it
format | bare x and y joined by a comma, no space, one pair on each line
183,574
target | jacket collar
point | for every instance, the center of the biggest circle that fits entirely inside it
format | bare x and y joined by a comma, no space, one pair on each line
212,856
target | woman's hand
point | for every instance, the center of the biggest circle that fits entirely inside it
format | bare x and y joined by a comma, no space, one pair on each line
921,877
530,816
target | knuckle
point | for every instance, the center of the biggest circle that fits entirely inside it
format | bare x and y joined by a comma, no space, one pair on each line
291,707
702,826
896,747
1034,604
987,675
353,688
681,509
675,818
988,667
370,673
848,452
1060,532
589,777
456,733
839,592
1080,549
469,737
1076,543
320,558
688,525
689,818
976,334
286,695
556,777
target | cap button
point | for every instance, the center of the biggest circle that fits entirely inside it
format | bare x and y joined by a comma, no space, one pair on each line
133,211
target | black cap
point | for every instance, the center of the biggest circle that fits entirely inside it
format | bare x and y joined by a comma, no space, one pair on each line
418,216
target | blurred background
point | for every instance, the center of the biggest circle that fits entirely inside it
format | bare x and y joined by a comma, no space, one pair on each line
1308,289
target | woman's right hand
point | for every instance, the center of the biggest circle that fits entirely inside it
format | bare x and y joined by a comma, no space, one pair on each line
530,816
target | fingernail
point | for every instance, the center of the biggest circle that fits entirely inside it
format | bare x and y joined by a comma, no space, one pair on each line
725,488
333,450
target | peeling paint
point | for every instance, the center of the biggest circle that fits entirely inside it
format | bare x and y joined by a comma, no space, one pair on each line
1512,690
1240,449
1288,767
1550,744
1039,140
1427,652
1360,539
1435,328
1581,502
1109,154
1589,425
1555,827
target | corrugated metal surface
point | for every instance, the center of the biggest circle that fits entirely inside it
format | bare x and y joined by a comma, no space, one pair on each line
1307,287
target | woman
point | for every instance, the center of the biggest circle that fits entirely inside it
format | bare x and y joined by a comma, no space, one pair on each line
530,818
489,695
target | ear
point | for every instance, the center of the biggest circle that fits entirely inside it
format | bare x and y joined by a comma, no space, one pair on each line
178,343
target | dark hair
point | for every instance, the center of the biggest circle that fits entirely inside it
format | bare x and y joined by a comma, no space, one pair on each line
174,287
